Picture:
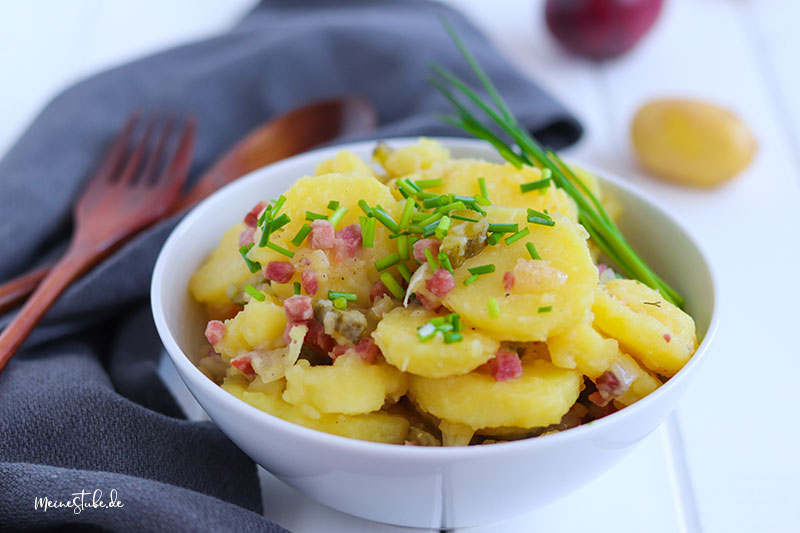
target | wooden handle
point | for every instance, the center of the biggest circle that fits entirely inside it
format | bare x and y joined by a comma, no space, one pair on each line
14,292
63,273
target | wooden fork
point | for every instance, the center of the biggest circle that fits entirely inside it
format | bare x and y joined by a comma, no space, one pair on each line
123,197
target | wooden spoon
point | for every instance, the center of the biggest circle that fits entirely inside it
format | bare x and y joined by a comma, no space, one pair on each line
290,134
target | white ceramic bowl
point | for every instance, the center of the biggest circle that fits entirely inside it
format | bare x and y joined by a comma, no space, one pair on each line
418,486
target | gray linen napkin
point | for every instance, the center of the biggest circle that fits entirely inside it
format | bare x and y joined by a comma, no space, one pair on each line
81,405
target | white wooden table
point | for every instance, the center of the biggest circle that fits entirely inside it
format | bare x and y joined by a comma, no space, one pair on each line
728,460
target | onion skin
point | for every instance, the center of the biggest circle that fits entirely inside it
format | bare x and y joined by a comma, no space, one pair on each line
600,29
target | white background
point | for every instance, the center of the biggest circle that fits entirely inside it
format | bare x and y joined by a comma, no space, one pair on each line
728,460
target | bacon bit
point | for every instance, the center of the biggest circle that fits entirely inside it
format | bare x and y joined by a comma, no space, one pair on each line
366,349
244,365
316,336
377,291
610,385
279,271
215,330
598,399
428,303
667,337
251,219
298,308
441,283
505,366
310,283
305,261
602,267
246,237
322,235
347,243
421,245
508,281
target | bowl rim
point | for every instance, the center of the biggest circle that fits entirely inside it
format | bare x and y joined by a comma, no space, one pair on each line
423,454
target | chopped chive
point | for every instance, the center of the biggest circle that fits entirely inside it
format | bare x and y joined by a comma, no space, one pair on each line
440,200
455,320
416,216
494,238
494,309
279,222
541,221
429,184
465,199
310,216
503,228
349,296
453,336
386,262
365,207
482,185
444,328
390,283
368,237
442,228
465,219
534,212
255,293
431,260
265,233
340,303
253,266
280,250
432,218
430,229
263,216
445,262
385,219
426,332
337,215
546,309
547,173
533,185
415,228
517,236
333,205
532,250
472,279
296,288
278,204
439,321
482,200
408,210
301,235
454,206
425,195
402,247
404,271
476,207
483,269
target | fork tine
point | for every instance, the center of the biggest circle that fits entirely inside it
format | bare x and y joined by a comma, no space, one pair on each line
172,178
148,174
128,174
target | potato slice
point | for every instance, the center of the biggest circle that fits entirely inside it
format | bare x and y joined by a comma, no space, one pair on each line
539,398
349,386
565,258
377,426
652,330
344,162
258,325
396,336
406,160
223,268
588,352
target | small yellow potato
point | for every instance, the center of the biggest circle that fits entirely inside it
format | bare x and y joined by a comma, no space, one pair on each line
691,142
377,426
397,338
258,325
539,398
349,386
344,162
223,268
563,280
649,328
412,158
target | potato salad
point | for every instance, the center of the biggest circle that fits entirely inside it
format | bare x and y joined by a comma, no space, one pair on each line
433,302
